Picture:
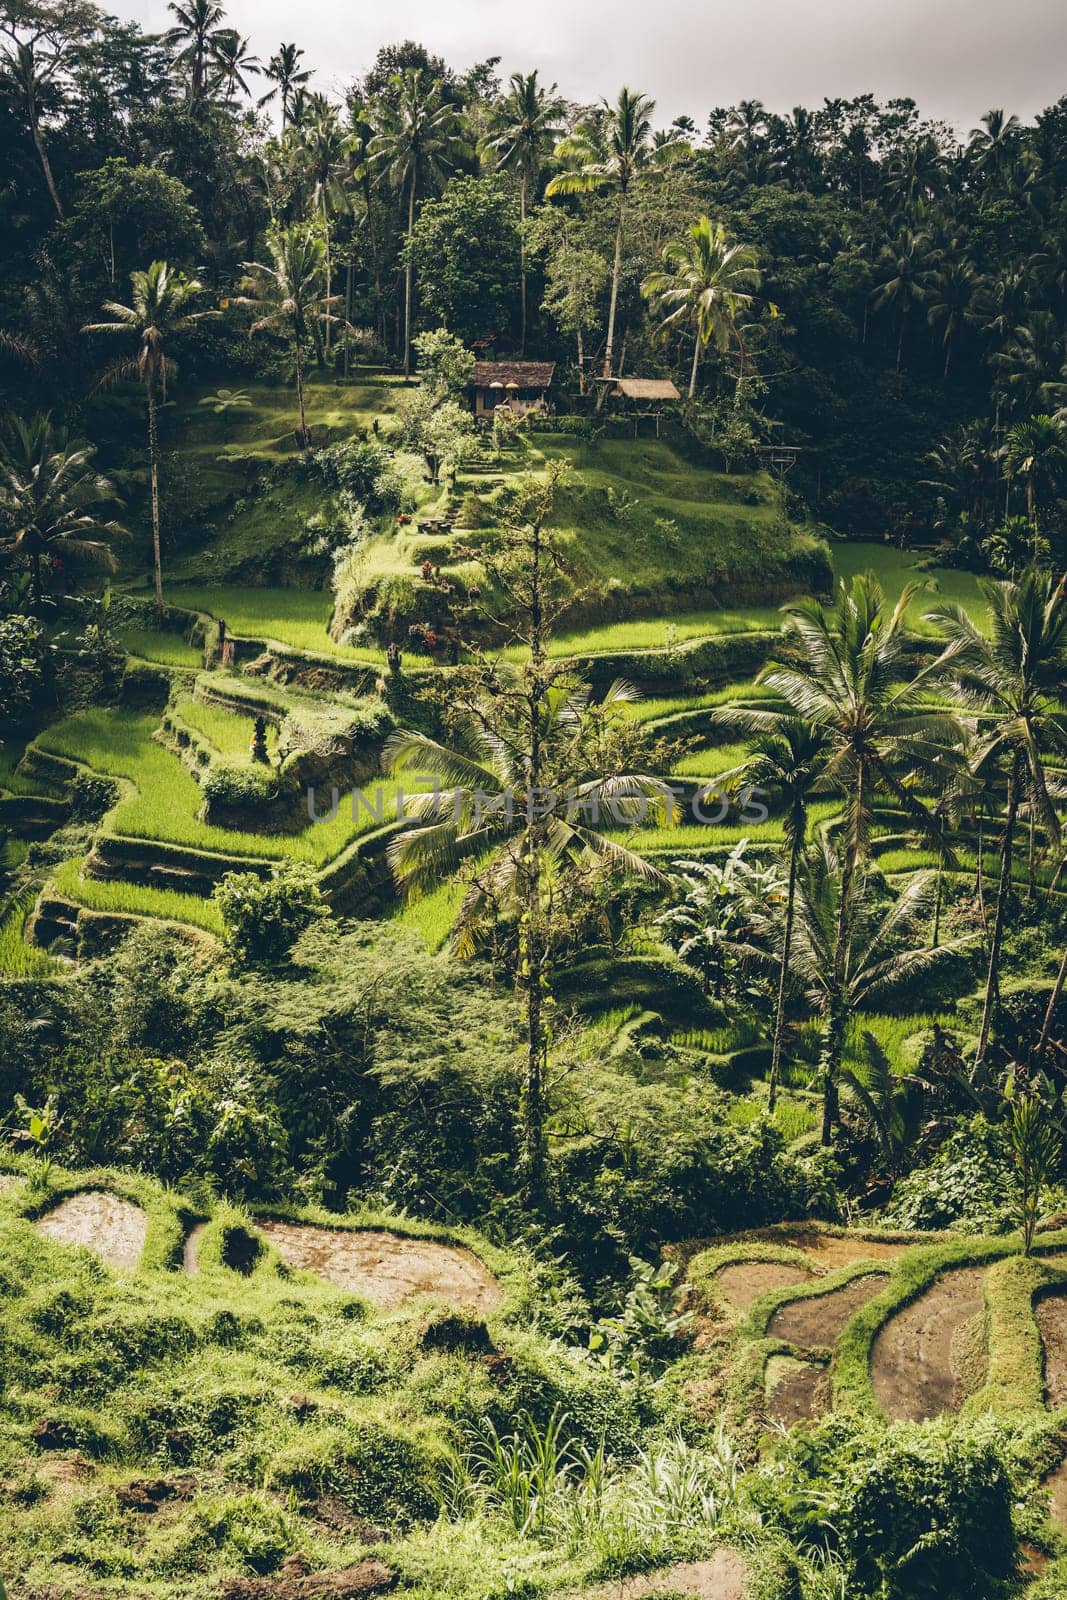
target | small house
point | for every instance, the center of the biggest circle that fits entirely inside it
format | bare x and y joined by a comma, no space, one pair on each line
642,397
520,386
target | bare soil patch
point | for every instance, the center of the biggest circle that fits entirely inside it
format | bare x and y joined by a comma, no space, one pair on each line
1056,1484
916,1359
385,1268
720,1578
191,1248
293,1583
1050,1313
745,1281
113,1229
796,1390
814,1322
9,1180
831,1251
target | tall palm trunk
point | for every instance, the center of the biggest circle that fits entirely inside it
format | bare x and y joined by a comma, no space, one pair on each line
522,263
695,368
1003,891
36,594
407,279
299,361
329,274
153,467
833,1051
1038,1058
783,972
42,156
533,946
616,275
348,310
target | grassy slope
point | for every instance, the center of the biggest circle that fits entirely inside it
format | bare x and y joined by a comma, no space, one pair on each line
165,806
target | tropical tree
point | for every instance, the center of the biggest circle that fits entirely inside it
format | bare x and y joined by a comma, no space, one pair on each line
710,926
197,30
611,161
1035,1154
324,146
525,126
786,761
526,782
233,63
1012,680
708,280
1036,451
50,499
415,145
950,302
905,265
39,39
286,294
159,311
853,952
993,145
288,78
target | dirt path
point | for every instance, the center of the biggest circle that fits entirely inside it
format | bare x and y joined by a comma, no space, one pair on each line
385,1268
9,1180
720,1578
744,1282
796,1390
813,1323
1050,1313
191,1248
915,1359
114,1229
1056,1484
829,1251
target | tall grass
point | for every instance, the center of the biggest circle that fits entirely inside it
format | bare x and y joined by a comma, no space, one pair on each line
98,894
168,798
17,958
160,645
296,617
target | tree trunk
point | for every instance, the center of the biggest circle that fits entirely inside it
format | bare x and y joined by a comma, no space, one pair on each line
783,974
1003,891
36,595
581,362
348,314
535,953
694,369
42,156
835,1044
616,274
153,461
329,276
407,280
522,264
1038,1058
300,388
935,939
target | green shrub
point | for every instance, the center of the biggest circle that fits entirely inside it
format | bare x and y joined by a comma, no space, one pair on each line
915,1513
262,917
227,786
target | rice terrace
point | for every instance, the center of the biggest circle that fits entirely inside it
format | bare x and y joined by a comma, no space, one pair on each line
533,780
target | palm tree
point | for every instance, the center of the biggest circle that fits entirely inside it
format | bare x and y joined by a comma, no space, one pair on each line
906,277
196,29
525,125
951,298
522,800
287,76
849,677
786,761
50,495
708,281
30,72
416,141
1013,680
286,294
880,954
615,163
324,144
233,63
747,125
159,312
993,145
1036,451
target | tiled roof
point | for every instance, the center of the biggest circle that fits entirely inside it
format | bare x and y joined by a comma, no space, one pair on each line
526,374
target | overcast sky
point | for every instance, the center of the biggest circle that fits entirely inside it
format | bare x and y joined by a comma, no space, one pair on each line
957,58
